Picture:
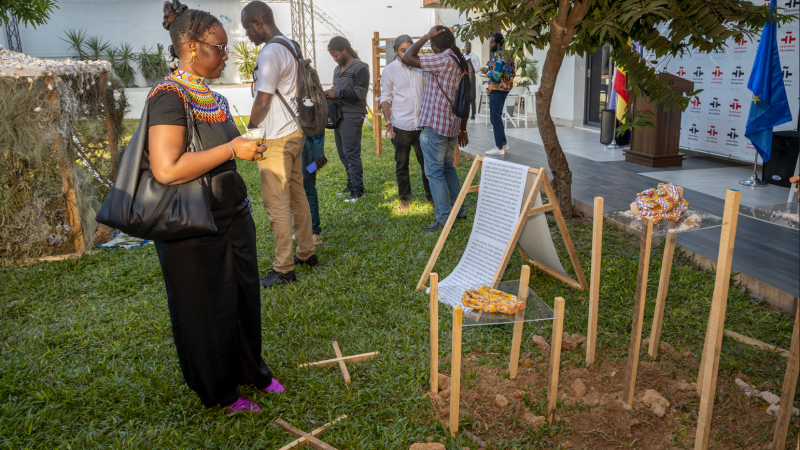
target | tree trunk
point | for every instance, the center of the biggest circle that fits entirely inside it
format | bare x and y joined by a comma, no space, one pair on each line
562,30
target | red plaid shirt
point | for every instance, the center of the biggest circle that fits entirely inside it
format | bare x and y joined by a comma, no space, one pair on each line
436,111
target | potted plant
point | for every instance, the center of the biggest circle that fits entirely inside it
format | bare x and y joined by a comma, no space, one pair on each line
527,73
246,56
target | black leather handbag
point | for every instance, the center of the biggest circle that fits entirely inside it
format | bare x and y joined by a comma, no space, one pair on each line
142,207
334,115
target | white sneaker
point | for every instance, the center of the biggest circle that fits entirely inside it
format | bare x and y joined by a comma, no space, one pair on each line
505,147
496,151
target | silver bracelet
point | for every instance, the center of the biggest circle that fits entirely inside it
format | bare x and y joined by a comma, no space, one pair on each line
233,152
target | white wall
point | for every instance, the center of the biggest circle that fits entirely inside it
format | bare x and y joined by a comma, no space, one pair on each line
569,94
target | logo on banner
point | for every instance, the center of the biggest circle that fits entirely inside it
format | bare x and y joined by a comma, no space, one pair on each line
712,135
732,139
713,107
698,75
682,72
695,108
737,77
735,109
791,4
788,42
787,76
716,76
693,133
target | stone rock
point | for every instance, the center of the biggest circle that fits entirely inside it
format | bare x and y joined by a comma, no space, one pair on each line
770,398
658,410
428,446
683,386
578,389
500,400
633,423
445,394
433,396
652,397
743,377
541,343
519,393
773,410
444,382
666,348
749,389
627,407
578,338
591,399
533,420
567,342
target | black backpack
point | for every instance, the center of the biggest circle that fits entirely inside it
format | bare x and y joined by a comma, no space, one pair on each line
460,104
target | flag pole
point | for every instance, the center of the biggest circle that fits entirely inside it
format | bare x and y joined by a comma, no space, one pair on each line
754,181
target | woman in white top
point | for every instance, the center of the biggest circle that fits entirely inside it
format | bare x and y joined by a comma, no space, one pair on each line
401,95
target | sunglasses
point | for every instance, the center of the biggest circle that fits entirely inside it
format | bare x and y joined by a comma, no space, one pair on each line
223,48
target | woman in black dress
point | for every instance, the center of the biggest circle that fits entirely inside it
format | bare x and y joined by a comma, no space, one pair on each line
211,280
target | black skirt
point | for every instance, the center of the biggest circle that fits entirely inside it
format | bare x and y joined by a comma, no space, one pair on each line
214,301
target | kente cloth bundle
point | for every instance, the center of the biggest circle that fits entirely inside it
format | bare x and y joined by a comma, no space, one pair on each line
663,202
491,300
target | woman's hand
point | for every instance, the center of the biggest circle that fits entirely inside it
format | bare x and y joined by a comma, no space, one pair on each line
246,149
436,30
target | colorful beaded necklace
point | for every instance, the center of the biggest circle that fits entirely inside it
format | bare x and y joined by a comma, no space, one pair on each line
204,104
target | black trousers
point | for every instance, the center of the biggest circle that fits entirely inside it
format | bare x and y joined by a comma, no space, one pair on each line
474,98
403,141
214,300
348,142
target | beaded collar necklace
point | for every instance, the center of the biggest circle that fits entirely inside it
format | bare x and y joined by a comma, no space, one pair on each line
204,104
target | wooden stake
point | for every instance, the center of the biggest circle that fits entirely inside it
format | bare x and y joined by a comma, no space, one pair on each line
302,442
342,365
555,358
638,311
434,333
457,156
455,371
562,226
707,378
516,340
354,358
594,291
112,145
756,343
661,297
789,386
313,442
376,94
663,288
449,224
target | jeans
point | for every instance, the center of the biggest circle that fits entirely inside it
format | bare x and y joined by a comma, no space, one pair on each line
474,98
348,143
438,152
403,141
497,103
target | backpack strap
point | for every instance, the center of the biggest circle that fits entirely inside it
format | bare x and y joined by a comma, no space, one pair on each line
297,56
455,58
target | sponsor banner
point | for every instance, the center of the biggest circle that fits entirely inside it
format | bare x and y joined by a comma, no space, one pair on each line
716,119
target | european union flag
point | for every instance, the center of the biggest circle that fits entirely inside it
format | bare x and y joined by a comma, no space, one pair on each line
770,106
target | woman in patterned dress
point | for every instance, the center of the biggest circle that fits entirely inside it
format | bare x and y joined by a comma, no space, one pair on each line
211,280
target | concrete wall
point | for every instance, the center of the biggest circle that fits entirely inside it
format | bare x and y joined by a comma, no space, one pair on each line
567,108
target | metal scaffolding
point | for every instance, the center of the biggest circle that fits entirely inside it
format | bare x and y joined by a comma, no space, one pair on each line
303,27
12,35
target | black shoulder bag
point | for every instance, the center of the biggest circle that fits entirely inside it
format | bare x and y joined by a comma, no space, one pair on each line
142,207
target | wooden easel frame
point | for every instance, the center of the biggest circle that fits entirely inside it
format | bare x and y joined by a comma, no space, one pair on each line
541,181
516,342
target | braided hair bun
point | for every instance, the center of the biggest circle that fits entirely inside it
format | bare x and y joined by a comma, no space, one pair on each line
172,10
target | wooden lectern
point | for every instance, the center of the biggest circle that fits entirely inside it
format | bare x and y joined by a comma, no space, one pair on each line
658,146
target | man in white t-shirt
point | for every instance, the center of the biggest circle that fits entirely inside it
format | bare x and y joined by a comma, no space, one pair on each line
281,168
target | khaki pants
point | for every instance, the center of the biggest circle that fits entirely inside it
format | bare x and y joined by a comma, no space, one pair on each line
283,195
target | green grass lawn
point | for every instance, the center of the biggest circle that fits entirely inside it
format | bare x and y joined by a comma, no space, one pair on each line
87,358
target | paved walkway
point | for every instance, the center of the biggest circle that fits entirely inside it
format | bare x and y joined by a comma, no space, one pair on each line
766,252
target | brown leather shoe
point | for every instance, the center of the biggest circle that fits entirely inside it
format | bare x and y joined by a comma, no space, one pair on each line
404,204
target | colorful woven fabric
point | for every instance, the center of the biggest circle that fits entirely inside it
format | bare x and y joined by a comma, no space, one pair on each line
663,202
492,300
204,103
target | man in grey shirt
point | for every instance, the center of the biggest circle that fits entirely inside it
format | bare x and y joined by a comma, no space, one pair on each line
350,87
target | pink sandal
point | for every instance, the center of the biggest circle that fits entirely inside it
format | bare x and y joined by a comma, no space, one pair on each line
274,388
243,405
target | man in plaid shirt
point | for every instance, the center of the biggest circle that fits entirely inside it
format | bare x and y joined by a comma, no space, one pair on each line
441,128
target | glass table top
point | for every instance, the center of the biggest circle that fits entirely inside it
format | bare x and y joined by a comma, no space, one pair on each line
782,214
535,309
689,221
